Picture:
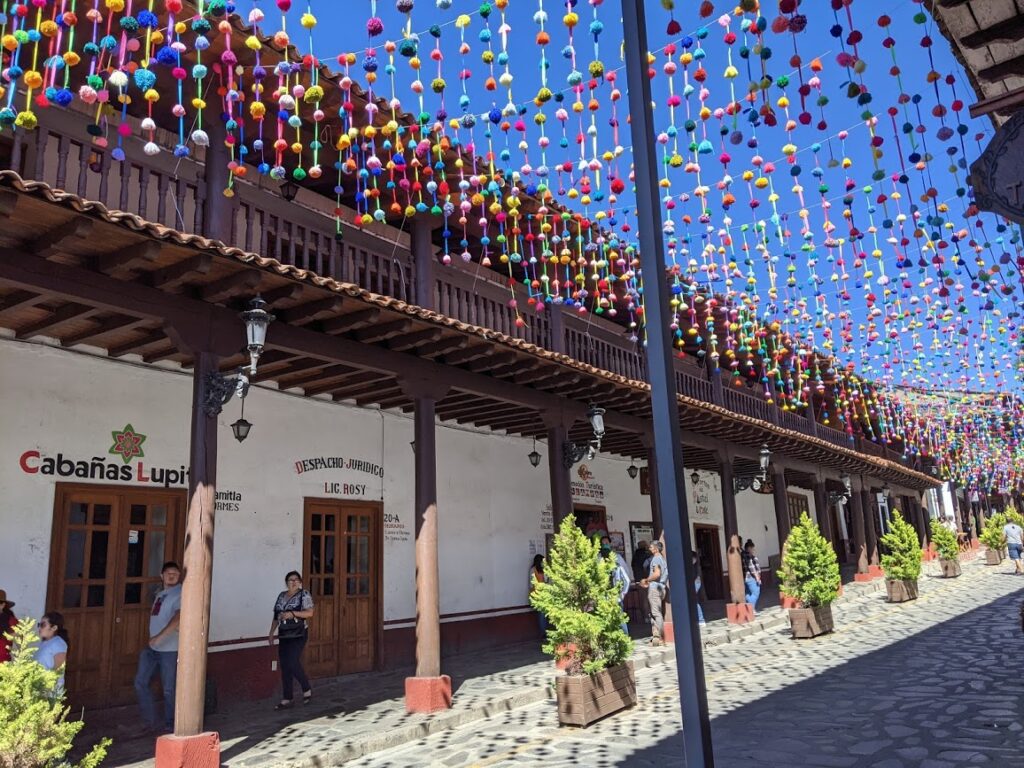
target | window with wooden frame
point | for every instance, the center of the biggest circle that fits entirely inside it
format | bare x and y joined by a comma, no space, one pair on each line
797,505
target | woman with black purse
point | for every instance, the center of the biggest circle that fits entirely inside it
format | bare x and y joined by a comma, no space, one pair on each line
293,607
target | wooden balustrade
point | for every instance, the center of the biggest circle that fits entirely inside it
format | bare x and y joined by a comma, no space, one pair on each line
172,191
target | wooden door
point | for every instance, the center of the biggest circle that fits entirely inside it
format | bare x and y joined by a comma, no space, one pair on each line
709,552
108,546
342,563
590,518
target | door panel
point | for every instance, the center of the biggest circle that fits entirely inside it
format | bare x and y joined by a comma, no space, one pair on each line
107,549
342,564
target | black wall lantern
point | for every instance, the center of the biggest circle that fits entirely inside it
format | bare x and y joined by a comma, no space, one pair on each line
632,470
533,456
758,482
289,189
573,453
841,497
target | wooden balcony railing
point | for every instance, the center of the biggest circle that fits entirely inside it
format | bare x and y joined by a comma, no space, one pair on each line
173,192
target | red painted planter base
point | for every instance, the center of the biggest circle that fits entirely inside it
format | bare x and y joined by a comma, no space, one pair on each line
201,751
786,602
428,694
739,613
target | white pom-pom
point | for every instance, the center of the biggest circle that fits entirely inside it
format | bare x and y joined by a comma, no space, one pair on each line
148,124
151,148
200,138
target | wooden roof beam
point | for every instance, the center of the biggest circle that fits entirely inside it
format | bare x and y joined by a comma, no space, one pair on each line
496,360
412,341
54,240
442,346
468,353
161,354
339,390
351,321
57,317
381,331
1002,70
16,299
307,313
103,327
151,338
374,393
331,372
282,293
230,285
175,274
121,261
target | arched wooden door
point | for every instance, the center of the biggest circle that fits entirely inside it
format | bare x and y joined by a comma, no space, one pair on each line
342,569
107,549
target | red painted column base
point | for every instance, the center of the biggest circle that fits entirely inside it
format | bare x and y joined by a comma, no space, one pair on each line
876,571
860,578
428,694
200,751
739,613
668,633
787,603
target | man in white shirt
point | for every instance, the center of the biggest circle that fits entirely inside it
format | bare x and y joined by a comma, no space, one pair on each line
161,653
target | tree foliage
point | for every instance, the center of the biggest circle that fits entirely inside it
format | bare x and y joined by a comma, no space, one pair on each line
945,541
810,570
992,535
34,729
902,562
582,604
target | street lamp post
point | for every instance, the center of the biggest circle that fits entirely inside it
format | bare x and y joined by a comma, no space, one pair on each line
664,407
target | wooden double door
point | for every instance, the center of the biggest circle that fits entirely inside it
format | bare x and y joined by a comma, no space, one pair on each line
342,569
108,546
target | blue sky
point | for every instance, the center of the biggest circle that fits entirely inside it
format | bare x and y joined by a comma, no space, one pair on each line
342,28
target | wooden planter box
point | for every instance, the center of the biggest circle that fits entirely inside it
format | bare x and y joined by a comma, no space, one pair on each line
950,568
993,557
900,591
585,698
811,622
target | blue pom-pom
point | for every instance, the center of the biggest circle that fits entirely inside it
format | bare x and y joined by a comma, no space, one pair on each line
144,79
148,19
167,56
63,97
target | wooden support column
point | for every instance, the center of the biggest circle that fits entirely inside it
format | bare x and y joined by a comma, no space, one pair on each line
207,342
868,500
218,211
429,690
781,499
822,510
558,424
859,533
422,247
652,479
737,610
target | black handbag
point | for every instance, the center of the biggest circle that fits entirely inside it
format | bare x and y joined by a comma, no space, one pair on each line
292,629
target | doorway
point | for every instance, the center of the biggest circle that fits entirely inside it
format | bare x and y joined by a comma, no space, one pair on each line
108,546
709,553
590,519
342,569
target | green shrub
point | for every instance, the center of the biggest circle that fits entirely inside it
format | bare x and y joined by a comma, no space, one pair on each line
582,604
34,729
992,535
1013,516
810,570
945,541
902,562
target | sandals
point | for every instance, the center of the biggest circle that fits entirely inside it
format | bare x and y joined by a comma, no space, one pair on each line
307,697
283,705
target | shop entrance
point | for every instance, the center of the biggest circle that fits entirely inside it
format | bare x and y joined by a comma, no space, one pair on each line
342,569
107,548
709,552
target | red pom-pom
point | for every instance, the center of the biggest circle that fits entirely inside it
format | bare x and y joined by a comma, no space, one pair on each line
674,28
706,9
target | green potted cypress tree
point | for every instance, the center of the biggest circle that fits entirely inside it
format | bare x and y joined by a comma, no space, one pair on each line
809,574
902,561
582,606
949,549
994,539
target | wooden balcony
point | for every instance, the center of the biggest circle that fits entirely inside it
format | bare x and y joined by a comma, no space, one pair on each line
173,192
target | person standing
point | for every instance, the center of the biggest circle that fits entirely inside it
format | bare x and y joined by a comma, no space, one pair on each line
8,621
291,610
620,575
1015,544
160,656
640,559
53,650
537,577
751,574
656,584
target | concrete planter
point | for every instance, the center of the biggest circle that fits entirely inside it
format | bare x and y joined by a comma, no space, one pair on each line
811,622
583,699
993,557
900,591
950,568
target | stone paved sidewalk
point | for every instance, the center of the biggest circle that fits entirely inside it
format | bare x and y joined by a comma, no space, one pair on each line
360,714
935,683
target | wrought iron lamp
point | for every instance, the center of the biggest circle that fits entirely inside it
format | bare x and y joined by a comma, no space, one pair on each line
220,388
289,189
241,427
573,453
632,470
759,481
533,456
841,497
886,491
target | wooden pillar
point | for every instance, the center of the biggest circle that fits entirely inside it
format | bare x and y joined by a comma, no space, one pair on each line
859,534
781,499
870,531
561,490
197,564
422,247
218,210
652,480
737,611
822,511
429,690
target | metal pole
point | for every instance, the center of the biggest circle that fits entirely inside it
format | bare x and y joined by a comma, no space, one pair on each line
664,406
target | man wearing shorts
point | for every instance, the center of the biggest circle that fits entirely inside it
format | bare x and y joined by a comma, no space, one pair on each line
1014,544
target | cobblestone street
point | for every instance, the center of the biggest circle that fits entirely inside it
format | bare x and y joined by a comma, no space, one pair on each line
931,684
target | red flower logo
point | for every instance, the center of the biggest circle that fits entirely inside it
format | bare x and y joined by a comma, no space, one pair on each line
127,444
